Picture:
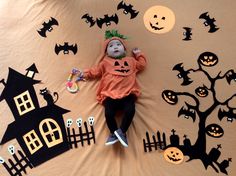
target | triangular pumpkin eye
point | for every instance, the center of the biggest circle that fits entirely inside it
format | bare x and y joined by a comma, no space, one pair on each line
116,63
126,63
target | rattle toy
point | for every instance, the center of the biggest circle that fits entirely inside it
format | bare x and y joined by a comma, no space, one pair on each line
73,86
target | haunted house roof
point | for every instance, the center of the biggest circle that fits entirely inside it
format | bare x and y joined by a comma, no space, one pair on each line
16,81
33,68
31,121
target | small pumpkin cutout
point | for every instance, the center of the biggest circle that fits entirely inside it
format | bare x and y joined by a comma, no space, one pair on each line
208,59
170,97
201,91
214,130
174,155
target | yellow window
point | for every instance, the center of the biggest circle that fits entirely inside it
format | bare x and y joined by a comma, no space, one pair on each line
24,103
51,132
32,141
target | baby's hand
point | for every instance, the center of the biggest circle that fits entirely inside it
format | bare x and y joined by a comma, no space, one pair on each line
136,51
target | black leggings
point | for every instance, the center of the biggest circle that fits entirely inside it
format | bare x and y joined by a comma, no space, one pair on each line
127,105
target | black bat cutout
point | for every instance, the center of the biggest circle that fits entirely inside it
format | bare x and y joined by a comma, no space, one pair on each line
183,74
209,22
89,19
187,33
107,20
47,27
231,76
188,112
66,48
127,9
231,114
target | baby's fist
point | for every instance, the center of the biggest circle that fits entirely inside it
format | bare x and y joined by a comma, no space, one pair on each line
136,51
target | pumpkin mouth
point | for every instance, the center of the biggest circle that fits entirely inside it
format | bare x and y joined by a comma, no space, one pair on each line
155,27
173,159
215,134
123,71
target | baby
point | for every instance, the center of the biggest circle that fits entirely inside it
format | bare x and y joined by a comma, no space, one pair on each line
118,88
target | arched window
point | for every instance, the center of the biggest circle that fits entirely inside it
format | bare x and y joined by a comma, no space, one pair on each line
51,132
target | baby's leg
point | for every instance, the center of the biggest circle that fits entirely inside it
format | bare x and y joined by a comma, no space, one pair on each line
129,111
110,112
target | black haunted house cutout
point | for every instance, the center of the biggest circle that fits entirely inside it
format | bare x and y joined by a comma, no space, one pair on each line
40,131
198,150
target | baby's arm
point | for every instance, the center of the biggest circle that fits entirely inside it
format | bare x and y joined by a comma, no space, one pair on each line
140,58
92,73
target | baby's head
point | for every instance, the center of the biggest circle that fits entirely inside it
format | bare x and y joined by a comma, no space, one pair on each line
115,49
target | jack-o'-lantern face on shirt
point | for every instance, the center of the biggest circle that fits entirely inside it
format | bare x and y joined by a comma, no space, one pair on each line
121,67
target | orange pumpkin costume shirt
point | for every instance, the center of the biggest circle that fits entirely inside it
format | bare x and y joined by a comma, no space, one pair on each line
118,76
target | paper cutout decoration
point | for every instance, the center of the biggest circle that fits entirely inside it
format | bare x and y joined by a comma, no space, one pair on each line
214,130
159,19
183,74
156,143
198,149
209,22
18,164
187,34
173,155
231,76
65,48
88,19
31,71
187,112
74,139
48,97
127,9
41,132
47,27
107,20
208,59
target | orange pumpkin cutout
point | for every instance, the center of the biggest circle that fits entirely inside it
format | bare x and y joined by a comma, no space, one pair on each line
122,67
208,59
174,155
201,91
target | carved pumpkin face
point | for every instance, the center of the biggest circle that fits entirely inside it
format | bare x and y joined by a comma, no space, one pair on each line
174,155
159,19
208,59
122,67
170,97
214,130
201,91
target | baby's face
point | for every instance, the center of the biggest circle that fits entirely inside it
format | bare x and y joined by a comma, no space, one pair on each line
115,49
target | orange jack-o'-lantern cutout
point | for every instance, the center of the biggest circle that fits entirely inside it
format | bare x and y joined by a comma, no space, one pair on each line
214,130
170,97
208,59
122,67
174,155
201,91
159,19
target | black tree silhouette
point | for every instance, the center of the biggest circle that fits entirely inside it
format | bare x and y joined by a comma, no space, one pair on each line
198,149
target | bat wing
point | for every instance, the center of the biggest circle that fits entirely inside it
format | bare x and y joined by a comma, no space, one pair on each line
204,15
188,112
114,18
213,28
58,48
100,22
89,19
42,32
133,14
53,21
121,5
73,48
230,76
